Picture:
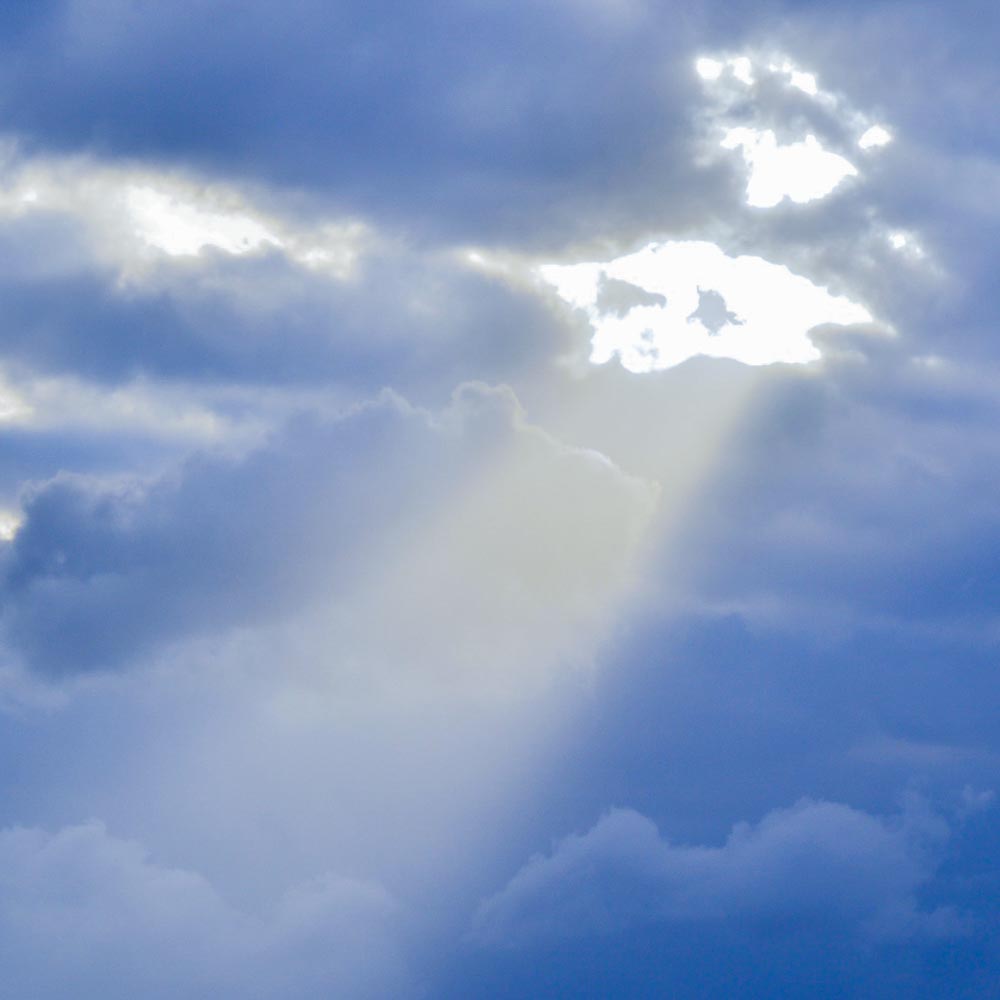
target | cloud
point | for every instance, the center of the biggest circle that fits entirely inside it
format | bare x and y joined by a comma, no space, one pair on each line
486,137
135,217
860,498
226,227
84,913
399,509
813,862
120,566
86,296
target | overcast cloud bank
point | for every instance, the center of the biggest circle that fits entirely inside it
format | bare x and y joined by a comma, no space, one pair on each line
425,427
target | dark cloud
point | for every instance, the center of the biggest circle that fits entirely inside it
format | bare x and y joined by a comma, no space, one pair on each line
816,861
419,325
457,117
33,455
100,572
815,900
870,498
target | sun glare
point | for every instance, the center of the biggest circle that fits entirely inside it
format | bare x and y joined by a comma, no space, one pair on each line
676,300
802,171
708,69
874,137
179,228
10,522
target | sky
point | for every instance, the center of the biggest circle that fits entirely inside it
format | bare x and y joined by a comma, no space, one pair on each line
499,500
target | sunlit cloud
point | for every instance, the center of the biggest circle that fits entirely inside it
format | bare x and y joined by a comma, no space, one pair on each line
10,521
874,137
907,243
740,69
800,79
136,215
802,171
181,228
709,69
676,300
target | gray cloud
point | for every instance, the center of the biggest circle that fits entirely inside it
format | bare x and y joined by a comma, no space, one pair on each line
101,572
519,114
421,323
83,913
815,861
300,600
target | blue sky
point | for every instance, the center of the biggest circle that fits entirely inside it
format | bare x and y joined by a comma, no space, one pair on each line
499,500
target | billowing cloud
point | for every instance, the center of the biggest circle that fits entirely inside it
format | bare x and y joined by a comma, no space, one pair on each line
83,912
98,572
815,861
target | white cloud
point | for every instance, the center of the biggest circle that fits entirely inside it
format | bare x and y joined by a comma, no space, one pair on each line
906,243
742,69
874,137
182,228
10,521
709,69
797,78
134,215
806,82
802,171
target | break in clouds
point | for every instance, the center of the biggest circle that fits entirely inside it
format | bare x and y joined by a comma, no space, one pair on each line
496,501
